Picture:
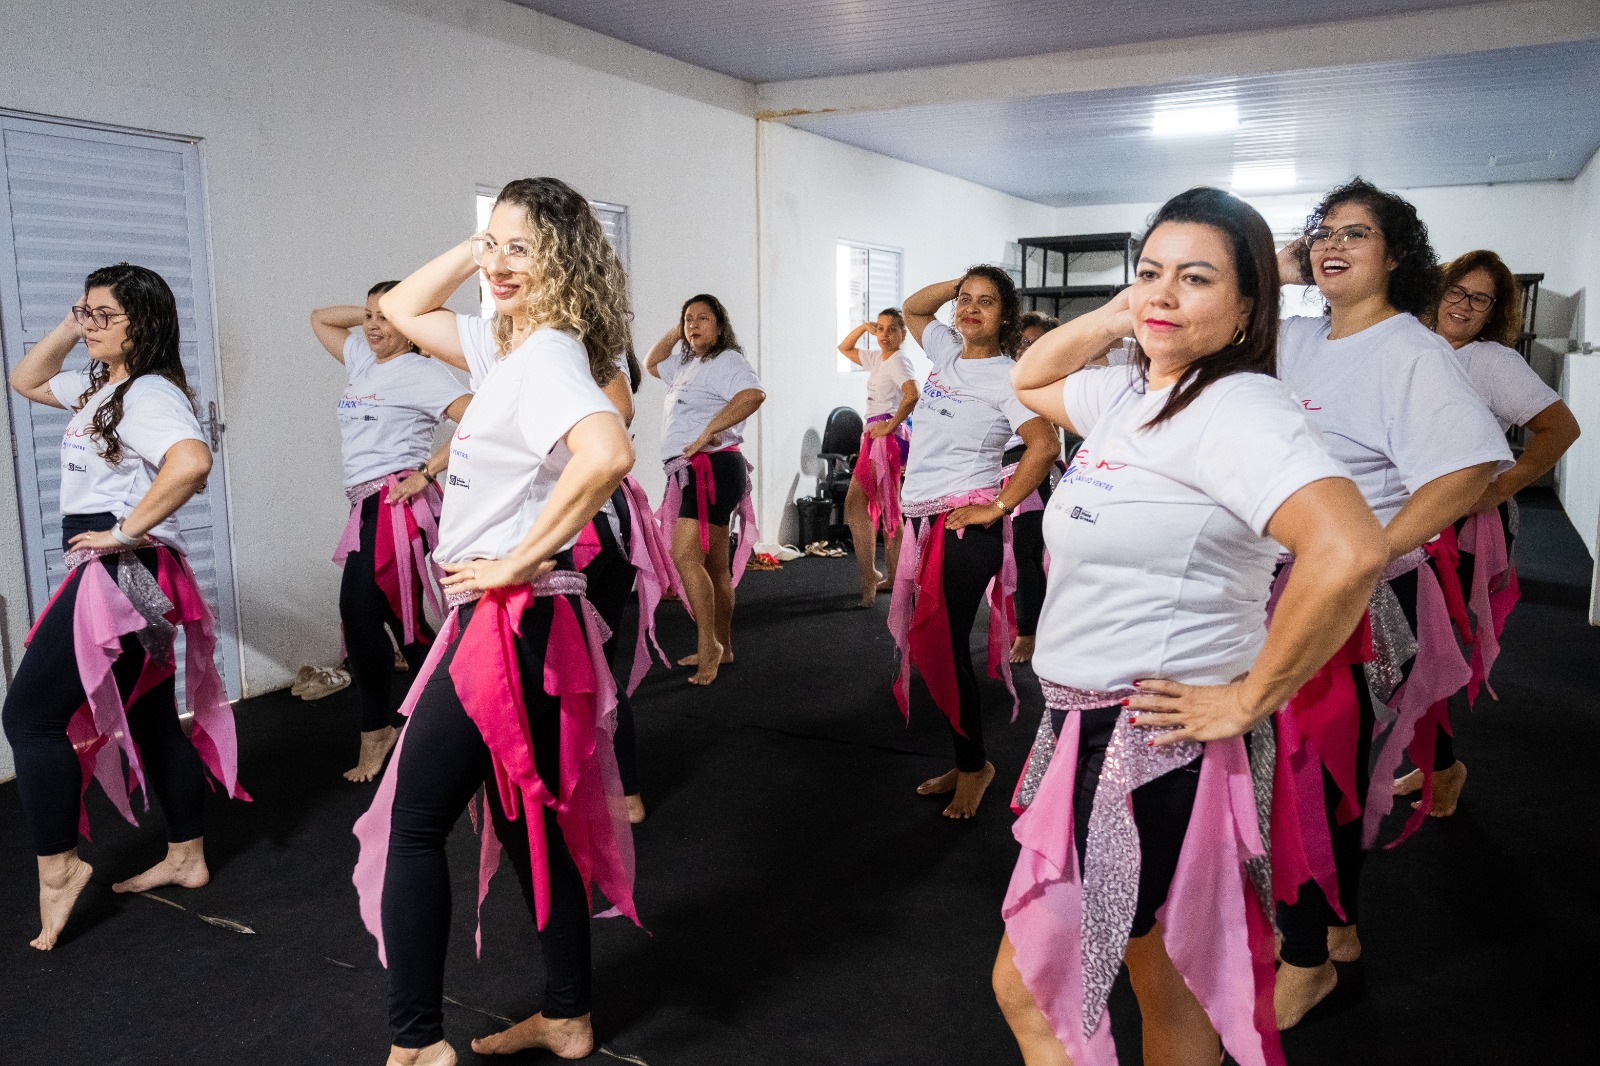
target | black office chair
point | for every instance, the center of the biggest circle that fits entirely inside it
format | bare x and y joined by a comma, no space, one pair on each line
841,443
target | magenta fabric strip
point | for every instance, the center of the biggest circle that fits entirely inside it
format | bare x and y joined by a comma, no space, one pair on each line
1494,593
651,556
879,466
401,560
745,514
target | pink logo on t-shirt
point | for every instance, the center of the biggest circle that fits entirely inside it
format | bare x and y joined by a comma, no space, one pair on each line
1307,405
936,390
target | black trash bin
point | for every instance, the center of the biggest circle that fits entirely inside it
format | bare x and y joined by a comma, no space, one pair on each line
814,513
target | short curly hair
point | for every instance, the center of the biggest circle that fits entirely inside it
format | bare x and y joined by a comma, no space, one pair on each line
1414,284
1504,324
1010,303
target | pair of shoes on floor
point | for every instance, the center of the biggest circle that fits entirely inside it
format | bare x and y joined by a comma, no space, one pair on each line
822,549
763,561
315,682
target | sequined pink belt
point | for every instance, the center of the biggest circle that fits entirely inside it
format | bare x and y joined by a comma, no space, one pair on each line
552,583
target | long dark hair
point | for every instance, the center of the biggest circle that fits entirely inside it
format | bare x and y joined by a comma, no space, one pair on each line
1504,323
1255,264
1414,283
152,347
1010,303
725,338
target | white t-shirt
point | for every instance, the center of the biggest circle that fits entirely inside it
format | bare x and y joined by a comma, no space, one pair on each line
696,391
965,416
885,376
1159,566
1511,388
155,416
389,410
1392,404
507,452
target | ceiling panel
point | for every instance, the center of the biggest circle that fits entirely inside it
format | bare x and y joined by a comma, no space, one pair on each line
1520,114
777,40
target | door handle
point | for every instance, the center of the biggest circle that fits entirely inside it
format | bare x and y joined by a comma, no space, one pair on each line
213,426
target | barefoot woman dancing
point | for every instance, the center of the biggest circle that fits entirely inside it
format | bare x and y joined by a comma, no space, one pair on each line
95,686
711,391
1142,841
954,505
515,697
394,399
873,501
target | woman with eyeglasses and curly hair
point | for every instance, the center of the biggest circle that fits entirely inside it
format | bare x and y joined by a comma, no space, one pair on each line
95,687
958,537
1480,314
516,697
1395,409
711,392
394,399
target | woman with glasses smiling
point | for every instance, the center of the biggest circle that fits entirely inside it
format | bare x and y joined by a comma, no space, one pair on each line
98,672
1395,409
1480,314
516,697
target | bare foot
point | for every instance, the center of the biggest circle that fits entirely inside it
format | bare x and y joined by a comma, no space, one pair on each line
1410,783
566,1038
184,866
709,652
1299,989
886,585
375,745
693,659
1022,650
869,597
969,792
1446,790
1343,943
440,1054
635,804
61,881
938,786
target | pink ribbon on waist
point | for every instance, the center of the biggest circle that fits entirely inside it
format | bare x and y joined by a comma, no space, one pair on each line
705,492
1494,593
1446,556
102,616
651,557
400,548
588,803
879,466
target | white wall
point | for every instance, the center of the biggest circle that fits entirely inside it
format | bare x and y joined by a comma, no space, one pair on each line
343,142
1580,468
814,193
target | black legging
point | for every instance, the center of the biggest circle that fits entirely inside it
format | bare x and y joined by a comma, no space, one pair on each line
368,619
444,761
1444,747
972,558
1305,922
47,691
611,576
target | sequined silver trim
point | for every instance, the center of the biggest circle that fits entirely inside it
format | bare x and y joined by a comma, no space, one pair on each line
553,583
1039,756
1066,698
1393,643
929,508
1405,563
1263,762
1513,517
356,493
143,591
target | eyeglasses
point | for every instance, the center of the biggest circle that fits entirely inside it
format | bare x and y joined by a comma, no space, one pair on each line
514,254
1343,237
98,315
1479,301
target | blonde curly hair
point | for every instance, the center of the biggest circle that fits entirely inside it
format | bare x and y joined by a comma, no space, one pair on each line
580,284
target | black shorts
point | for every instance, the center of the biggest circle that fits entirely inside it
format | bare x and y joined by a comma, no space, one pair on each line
729,479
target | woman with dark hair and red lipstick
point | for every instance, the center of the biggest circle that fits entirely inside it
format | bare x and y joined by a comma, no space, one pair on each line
711,391
955,509
1394,407
1480,314
394,399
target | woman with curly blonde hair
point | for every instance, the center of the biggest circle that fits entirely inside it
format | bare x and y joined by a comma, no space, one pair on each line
516,697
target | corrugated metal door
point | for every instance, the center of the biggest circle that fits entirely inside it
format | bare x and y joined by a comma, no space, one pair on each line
73,199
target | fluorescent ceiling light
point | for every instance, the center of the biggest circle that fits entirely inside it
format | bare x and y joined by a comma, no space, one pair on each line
1257,177
1191,121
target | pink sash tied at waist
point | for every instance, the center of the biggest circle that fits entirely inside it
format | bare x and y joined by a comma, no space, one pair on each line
1494,592
1070,929
106,610
879,467
705,494
400,547
588,806
919,620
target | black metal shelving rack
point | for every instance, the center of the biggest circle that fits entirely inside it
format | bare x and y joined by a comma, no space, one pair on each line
1530,310
1066,247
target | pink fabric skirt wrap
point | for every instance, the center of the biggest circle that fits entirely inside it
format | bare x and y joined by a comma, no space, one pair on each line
919,620
589,808
651,557
105,611
1070,926
400,550
1494,592
879,467
744,515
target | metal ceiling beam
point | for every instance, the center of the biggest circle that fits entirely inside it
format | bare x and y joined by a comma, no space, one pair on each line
1410,36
